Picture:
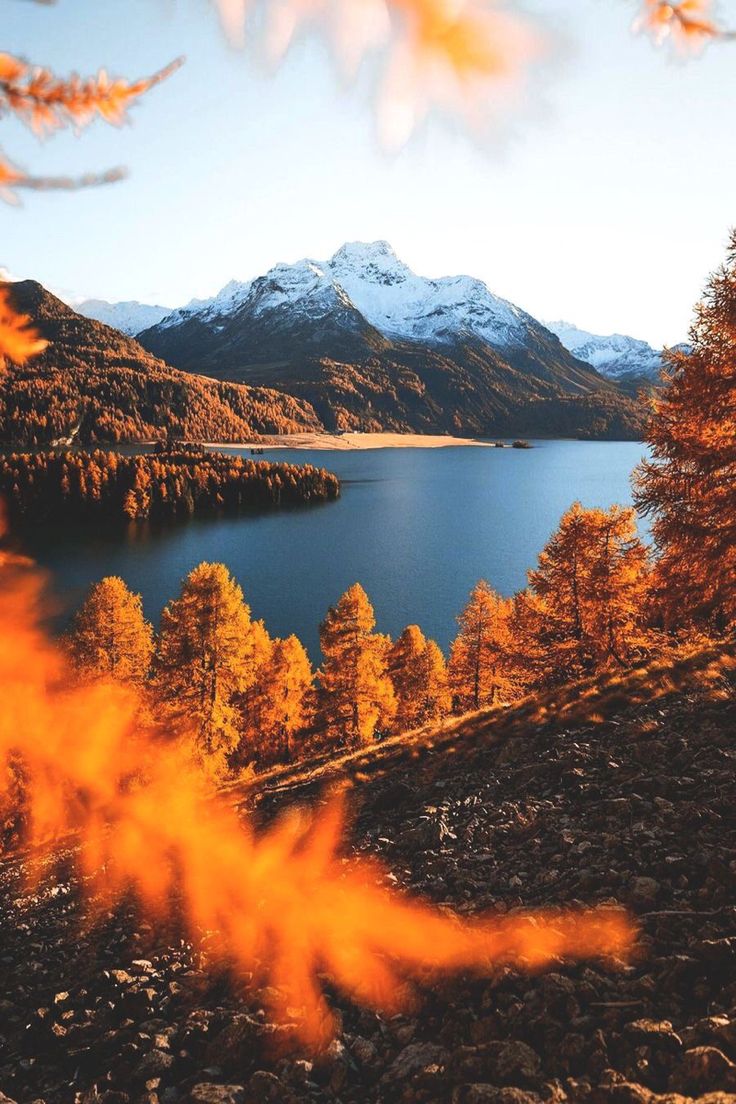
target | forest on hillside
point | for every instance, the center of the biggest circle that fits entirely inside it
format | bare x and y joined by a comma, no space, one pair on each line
174,482
93,385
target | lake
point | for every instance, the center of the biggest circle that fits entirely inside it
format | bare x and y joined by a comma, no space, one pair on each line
416,526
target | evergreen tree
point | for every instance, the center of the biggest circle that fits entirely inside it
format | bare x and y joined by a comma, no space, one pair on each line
281,703
481,665
588,593
358,695
419,678
208,653
110,636
689,485
437,686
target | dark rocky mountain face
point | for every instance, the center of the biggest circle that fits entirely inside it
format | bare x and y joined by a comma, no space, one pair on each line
93,384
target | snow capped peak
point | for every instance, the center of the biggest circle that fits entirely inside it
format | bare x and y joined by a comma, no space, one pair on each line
306,287
403,305
129,317
614,355
370,278
362,263
360,254
208,310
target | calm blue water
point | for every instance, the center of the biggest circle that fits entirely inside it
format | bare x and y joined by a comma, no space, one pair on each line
417,527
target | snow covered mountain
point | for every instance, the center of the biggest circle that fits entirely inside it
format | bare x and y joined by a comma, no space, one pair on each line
128,317
226,301
616,356
373,346
391,298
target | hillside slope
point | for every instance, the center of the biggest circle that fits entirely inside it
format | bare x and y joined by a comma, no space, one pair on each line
93,384
540,805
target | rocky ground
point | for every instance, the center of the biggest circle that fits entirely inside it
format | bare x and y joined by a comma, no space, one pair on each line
536,807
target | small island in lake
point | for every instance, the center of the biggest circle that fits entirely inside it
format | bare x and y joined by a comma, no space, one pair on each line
85,486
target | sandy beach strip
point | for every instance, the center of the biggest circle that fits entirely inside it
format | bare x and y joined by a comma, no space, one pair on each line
347,441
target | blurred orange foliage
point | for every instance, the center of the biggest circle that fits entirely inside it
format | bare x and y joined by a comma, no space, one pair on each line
688,25
82,768
18,339
45,102
454,54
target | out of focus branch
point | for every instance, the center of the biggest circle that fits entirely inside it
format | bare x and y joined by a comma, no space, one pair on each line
12,178
44,102
18,339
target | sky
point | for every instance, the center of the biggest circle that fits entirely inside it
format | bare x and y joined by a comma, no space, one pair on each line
604,199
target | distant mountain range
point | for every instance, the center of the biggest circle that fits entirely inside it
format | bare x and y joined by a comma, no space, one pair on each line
129,317
616,356
371,345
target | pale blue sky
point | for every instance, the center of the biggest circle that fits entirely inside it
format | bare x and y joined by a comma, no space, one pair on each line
606,203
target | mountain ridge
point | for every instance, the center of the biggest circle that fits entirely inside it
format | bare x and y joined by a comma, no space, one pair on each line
617,356
373,346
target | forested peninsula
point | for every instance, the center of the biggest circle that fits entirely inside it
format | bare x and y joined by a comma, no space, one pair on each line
162,485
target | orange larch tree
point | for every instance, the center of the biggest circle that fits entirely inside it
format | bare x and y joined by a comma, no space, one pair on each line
209,651
689,484
110,637
279,705
358,697
588,593
482,663
419,678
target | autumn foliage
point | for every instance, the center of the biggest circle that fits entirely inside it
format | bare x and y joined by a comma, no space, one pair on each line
94,385
46,102
586,600
208,654
359,696
689,485
147,822
245,700
465,58
175,482
418,673
110,638
482,664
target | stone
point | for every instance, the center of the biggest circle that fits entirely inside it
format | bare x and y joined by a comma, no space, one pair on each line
704,1069
233,1046
155,1064
514,1063
491,1094
654,1033
209,1093
363,1051
413,1060
644,891
264,1087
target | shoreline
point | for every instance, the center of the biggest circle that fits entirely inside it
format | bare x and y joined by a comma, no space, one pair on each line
344,442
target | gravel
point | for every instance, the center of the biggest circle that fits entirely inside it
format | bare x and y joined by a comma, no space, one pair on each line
640,809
